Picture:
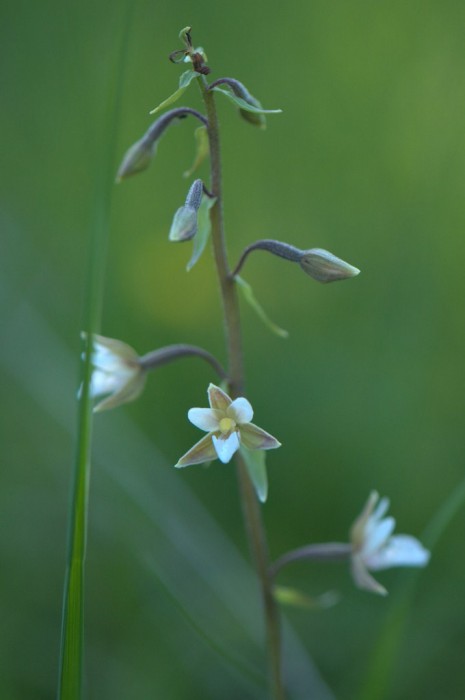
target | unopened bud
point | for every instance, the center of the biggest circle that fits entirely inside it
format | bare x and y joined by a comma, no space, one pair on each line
252,117
184,226
137,158
139,155
326,267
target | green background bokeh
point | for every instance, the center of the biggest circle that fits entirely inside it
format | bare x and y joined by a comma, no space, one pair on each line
368,161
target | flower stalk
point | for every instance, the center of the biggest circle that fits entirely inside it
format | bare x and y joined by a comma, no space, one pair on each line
251,510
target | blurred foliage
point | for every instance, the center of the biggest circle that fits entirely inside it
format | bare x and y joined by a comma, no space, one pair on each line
368,161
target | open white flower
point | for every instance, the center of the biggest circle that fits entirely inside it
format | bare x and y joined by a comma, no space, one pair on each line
228,424
116,371
375,548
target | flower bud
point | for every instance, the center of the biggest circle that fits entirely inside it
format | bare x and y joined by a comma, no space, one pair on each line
326,267
184,226
137,158
252,117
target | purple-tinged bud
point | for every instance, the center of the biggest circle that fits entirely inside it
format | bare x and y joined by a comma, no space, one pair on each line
326,267
137,158
184,226
140,154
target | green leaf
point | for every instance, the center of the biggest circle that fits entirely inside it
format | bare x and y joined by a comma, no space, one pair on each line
256,468
184,82
297,599
201,151
248,295
203,230
242,104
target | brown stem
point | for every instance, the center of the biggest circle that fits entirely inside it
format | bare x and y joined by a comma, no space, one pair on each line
251,509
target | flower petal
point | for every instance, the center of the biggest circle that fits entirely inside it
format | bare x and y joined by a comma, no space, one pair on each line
128,392
205,418
401,550
217,398
104,383
202,451
377,535
226,446
104,350
256,438
381,509
240,410
363,579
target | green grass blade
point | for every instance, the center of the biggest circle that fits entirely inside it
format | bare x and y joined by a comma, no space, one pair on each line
72,644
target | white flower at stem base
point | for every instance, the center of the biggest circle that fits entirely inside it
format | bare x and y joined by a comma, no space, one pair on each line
374,547
228,424
116,371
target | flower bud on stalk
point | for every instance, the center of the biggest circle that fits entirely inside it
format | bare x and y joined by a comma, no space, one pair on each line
241,91
139,156
184,226
316,262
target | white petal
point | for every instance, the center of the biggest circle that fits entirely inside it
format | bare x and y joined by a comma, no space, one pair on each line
205,418
240,410
103,383
401,550
381,509
376,535
226,447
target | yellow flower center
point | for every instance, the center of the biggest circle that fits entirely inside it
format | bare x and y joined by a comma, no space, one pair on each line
226,425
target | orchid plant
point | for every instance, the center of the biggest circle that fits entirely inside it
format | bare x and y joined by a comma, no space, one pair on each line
119,373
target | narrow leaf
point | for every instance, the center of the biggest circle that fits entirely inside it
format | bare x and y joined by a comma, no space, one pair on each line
201,151
203,230
256,468
184,82
242,104
248,295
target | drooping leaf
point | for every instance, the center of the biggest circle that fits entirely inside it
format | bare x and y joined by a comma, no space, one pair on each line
203,230
202,149
256,468
184,82
242,104
249,296
297,599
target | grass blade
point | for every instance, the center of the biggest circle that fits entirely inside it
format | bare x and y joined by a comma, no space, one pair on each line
72,644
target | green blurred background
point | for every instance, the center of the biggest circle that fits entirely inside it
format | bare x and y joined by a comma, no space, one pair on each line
368,161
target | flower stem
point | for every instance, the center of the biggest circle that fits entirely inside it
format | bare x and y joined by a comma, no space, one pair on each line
163,356
252,515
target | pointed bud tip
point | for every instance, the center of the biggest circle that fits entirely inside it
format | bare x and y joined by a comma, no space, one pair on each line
325,267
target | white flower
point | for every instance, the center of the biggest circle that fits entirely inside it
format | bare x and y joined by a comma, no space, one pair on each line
116,371
228,425
375,548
